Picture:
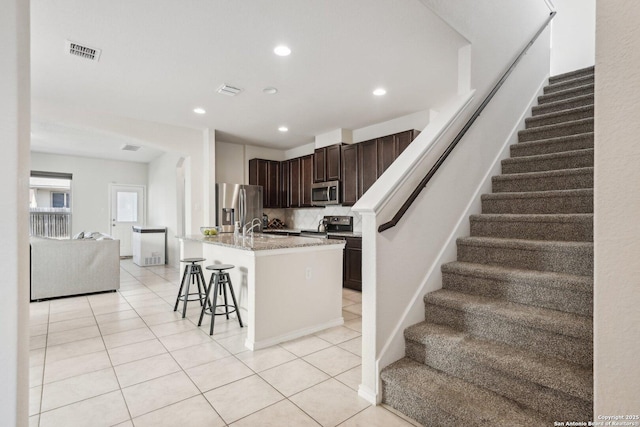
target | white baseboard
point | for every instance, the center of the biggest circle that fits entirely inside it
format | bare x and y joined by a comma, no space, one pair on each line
257,345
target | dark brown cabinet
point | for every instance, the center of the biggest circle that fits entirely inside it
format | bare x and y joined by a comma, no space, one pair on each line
306,180
352,262
386,152
367,165
266,173
294,183
349,184
326,163
285,182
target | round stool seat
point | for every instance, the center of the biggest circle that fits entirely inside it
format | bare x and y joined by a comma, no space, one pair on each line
220,267
193,260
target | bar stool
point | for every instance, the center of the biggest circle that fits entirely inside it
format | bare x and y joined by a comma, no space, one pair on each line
218,285
192,274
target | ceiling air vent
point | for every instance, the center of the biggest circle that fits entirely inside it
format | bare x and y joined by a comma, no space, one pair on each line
82,51
228,90
128,147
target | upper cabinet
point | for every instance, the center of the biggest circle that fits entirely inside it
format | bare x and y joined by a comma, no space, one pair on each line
326,163
267,174
288,184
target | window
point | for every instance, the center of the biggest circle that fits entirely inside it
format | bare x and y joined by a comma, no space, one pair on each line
50,204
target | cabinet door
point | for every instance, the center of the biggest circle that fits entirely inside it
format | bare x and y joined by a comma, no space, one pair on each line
272,188
285,201
349,174
386,153
319,165
306,180
294,183
368,165
403,139
332,162
353,263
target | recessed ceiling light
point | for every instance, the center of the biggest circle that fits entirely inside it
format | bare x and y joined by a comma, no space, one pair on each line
199,110
282,51
379,92
270,90
283,129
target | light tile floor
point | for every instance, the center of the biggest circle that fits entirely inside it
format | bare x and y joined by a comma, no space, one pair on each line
126,359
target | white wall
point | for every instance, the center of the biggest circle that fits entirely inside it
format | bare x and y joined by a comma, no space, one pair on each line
90,185
162,201
418,120
14,213
230,163
617,209
573,35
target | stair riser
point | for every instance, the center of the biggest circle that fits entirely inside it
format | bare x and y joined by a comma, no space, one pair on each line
574,231
579,160
568,84
521,336
572,75
563,95
552,403
555,131
521,292
579,114
415,407
505,183
539,205
559,145
572,260
577,102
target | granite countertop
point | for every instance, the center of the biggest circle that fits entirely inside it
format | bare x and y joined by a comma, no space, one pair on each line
261,242
330,233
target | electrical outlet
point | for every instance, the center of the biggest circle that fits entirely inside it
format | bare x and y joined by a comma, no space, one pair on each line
307,273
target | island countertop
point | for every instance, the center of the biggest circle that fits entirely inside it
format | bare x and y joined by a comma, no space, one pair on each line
261,242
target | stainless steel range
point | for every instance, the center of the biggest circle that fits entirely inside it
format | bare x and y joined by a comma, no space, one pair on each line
330,224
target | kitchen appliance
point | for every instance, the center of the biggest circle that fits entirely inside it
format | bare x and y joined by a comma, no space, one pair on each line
237,202
148,245
325,193
332,224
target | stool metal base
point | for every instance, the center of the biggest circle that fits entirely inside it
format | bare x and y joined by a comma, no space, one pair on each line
192,275
218,284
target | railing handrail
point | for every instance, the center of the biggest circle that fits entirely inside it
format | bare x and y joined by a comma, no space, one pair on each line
414,195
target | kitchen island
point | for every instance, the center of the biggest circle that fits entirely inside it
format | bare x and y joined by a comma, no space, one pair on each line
287,287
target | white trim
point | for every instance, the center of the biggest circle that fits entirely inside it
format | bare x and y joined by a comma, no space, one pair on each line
292,335
367,394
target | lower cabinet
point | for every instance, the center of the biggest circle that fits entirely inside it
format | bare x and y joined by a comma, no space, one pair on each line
352,262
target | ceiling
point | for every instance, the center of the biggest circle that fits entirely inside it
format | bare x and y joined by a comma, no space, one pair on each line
163,58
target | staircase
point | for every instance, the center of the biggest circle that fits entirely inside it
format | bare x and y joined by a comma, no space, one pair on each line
508,341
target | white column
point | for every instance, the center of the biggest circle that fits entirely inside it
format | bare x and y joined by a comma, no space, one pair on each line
14,175
617,210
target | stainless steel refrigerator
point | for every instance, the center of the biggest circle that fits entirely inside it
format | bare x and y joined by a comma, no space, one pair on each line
237,202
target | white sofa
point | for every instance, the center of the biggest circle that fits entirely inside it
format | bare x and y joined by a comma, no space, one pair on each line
72,267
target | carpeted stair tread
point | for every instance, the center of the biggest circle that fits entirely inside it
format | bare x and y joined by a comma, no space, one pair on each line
558,117
587,71
557,322
549,372
565,179
436,399
555,291
553,145
561,227
560,257
539,202
546,279
569,83
552,161
566,94
573,127
564,104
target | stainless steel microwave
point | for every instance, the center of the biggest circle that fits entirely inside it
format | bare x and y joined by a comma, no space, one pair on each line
325,193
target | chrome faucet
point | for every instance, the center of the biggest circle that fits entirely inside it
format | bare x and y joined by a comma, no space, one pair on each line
248,227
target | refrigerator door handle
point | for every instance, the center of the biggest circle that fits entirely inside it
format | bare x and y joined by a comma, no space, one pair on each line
243,206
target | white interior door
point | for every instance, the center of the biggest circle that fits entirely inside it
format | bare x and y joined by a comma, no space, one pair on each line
127,210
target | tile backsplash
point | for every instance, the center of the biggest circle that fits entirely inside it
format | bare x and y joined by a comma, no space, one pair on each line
308,218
